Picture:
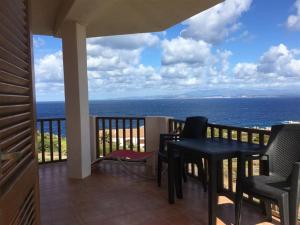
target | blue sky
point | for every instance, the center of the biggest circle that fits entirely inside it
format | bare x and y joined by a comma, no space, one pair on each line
237,48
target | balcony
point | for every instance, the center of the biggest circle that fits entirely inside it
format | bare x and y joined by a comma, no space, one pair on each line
109,195
113,196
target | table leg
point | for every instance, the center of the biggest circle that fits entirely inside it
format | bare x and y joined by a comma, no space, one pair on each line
171,178
178,176
239,192
220,176
212,191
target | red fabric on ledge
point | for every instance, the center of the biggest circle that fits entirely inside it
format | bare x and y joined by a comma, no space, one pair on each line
130,155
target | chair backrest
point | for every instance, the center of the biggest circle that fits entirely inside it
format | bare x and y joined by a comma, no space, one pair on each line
195,127
283,149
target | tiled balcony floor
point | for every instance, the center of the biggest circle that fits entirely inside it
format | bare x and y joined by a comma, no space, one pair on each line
112,197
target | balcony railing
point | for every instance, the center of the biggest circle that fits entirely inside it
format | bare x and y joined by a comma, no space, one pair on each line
128,133
51,140
114,133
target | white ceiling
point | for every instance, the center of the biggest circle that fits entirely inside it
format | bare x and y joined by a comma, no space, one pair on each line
113,17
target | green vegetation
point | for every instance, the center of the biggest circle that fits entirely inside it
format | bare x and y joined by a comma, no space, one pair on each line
55,146
47,147
114,146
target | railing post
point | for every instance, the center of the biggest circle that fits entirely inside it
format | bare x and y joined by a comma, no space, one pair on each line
93,138
154,126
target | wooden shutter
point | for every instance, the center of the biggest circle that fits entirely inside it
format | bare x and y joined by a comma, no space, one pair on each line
19,176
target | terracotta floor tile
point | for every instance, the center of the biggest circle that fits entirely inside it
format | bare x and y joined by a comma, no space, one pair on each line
111,196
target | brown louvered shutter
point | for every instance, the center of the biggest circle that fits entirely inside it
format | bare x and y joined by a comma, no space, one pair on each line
19,195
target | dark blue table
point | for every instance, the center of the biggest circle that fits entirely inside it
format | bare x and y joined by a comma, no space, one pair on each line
214,150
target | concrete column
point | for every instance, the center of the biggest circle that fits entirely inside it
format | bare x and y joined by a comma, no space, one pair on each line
76,100
154,126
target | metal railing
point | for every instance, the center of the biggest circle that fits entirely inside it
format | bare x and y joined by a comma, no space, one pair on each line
51,140
115,133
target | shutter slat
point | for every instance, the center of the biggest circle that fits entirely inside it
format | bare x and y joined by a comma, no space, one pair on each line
4,133
13,26
15,138
15,23
8,165
13,35
13,89
17,10
20,145
13,79
13,48
13,59
14,119
12,68
13,99
27,202
14,109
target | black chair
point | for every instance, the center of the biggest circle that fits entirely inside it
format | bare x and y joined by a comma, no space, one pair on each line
281,184
194,128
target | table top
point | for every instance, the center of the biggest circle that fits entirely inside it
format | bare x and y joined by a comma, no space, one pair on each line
216,146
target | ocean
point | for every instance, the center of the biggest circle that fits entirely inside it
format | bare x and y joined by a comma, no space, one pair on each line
244,112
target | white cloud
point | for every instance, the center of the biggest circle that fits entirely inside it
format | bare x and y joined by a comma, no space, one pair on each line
216,23
113,64
104,59
50,68
49,74
38,42
245,70
245,36
278,59
293,21
278,65
181,50
187,62
109,53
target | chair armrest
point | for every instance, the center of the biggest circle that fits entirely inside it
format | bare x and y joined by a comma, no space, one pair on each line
169,135
247,156
163,138
295,177
296,171
251,155
294,194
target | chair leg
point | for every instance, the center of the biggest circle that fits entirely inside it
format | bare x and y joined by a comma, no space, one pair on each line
238,207
283,205
268,210
184,171
294,208
178,179
159,171
202,174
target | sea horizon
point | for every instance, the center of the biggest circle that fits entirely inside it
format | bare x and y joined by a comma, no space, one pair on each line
259,112
180,98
